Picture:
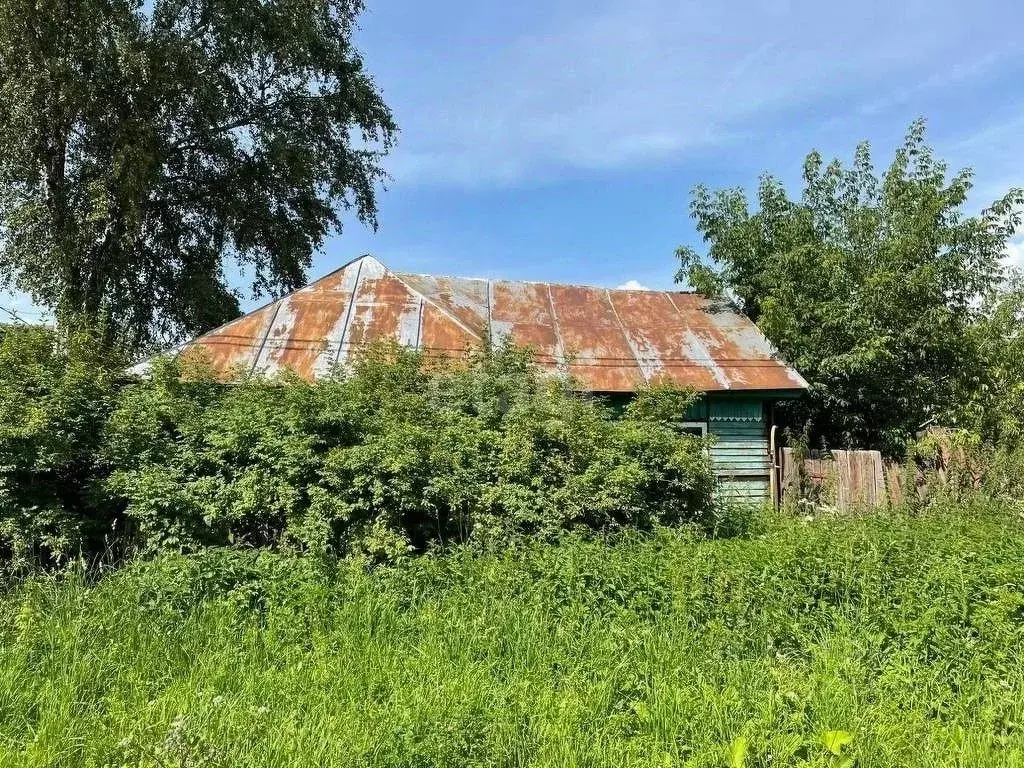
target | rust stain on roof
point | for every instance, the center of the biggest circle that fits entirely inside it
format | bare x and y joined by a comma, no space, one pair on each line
607,340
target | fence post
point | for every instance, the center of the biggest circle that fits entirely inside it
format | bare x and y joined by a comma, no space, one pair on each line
773,477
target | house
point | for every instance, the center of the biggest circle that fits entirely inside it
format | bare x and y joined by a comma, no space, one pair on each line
610,341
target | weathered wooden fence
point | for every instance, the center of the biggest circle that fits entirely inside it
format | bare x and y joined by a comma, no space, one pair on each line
851,479
843,479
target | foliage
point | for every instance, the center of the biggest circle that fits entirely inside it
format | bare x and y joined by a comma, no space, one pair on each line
395,457
870,286
957,466
875,641
145,142
54,398
802,492
993,405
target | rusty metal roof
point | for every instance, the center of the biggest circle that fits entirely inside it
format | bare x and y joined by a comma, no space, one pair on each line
607,340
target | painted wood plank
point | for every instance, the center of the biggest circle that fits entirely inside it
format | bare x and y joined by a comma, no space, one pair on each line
741,409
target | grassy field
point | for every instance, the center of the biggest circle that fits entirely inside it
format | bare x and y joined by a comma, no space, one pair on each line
867,642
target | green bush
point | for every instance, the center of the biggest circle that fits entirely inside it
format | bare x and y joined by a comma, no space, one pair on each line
394,458
55,395
399,455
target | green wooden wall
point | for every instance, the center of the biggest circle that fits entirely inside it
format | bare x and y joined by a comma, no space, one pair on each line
740,449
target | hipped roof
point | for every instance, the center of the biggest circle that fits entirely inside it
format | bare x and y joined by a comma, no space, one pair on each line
607,340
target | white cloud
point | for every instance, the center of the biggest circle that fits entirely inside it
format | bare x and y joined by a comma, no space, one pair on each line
633,285
611,85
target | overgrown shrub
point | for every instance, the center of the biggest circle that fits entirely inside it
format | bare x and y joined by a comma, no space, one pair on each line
397,456
55,396
958,466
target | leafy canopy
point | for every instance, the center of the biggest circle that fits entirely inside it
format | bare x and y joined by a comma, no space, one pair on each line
869,285
148,146
994,404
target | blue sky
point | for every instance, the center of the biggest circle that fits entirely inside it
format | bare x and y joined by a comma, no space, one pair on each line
559,140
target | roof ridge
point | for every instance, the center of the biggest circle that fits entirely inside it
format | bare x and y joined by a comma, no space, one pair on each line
490,280
284,296
426,299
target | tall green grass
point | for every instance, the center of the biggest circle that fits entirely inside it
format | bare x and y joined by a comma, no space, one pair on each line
874,642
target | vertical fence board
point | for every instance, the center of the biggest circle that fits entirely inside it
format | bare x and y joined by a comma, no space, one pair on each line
847,479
